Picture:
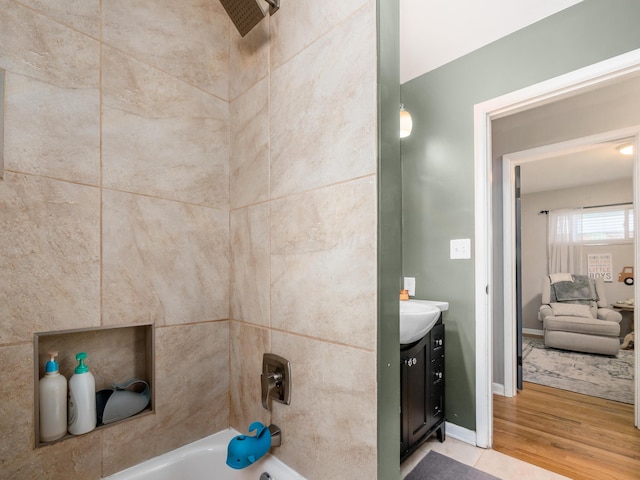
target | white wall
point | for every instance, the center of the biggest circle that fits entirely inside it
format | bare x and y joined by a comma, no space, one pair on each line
534,240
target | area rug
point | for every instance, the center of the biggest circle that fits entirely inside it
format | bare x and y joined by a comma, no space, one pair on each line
436,466
601,376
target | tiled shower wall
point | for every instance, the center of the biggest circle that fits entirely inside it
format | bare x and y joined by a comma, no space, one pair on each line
114,209
160,168
303,230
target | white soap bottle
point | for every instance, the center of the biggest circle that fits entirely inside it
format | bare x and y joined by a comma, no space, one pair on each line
53,402
82,399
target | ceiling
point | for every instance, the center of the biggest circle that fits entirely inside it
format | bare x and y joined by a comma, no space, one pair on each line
591,165
435,32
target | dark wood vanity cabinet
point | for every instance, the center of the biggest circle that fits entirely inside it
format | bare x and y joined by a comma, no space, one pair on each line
422,390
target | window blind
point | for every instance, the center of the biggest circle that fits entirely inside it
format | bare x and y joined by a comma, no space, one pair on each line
607,225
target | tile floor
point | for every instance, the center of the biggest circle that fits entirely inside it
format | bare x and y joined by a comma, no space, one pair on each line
489,461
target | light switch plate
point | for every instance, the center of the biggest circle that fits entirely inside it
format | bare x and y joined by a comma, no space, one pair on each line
460,249
410,284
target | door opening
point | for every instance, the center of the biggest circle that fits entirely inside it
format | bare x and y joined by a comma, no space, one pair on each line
593,152
546,92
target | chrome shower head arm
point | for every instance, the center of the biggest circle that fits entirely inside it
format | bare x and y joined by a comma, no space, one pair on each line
274,5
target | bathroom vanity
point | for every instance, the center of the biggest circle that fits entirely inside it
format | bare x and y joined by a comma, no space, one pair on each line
422,390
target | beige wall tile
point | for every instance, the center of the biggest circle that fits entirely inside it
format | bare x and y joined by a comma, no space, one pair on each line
323,263
186,39
162,137
323,110
52,131
247,348
77,457
83,15
192,383
249,160
192,396
249,58
74,458
132,442
49,256
163,261
51,96
250,264
298,24
16,407
36,47
329,430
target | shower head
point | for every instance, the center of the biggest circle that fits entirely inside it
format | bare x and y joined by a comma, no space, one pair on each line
245,14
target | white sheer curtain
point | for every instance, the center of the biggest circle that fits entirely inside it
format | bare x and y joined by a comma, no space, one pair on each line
565,241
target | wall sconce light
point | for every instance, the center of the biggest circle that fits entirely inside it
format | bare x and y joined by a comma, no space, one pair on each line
406,123
626,149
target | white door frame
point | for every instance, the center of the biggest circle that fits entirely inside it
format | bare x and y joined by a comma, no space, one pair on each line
520,100
509,163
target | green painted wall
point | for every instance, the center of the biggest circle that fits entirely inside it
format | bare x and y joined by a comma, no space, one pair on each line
437,159
389,240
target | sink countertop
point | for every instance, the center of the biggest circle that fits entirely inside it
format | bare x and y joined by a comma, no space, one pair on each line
443,306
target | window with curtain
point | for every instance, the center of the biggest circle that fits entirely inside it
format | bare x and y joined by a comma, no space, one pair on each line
565,241
571,229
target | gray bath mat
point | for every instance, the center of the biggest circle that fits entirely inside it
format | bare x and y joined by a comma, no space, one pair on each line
440,467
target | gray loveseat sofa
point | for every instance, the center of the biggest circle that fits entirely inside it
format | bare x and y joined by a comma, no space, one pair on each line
579,324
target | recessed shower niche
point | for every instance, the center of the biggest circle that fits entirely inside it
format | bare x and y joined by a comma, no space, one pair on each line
114,355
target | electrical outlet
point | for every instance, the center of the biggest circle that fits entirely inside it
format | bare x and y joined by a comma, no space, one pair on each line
460,249
410,284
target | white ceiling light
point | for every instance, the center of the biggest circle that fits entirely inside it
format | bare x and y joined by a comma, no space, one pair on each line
406,123
626,149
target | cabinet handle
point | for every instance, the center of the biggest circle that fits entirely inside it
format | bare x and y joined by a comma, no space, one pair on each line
409,362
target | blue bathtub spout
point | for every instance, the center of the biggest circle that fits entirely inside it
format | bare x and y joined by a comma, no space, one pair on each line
244,450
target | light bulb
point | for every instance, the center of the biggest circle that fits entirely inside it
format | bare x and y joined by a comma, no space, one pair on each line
626,149
406,123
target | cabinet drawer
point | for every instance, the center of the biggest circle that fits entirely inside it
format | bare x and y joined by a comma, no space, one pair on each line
437,338
437,370
437,407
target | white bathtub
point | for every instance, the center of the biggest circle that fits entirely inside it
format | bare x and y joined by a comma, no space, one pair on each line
205,459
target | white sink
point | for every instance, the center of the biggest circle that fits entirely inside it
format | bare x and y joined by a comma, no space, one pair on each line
417,318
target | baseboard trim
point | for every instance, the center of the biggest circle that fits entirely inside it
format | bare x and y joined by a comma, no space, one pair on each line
533,331
498,389
461,433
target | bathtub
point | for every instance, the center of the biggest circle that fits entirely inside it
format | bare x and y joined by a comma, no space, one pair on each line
206,459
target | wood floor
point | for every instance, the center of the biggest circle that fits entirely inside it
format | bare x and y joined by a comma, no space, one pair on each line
578,436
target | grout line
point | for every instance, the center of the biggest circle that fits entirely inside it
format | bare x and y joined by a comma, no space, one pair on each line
101,206
42,13
101,279
111,189
272,329
270,319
